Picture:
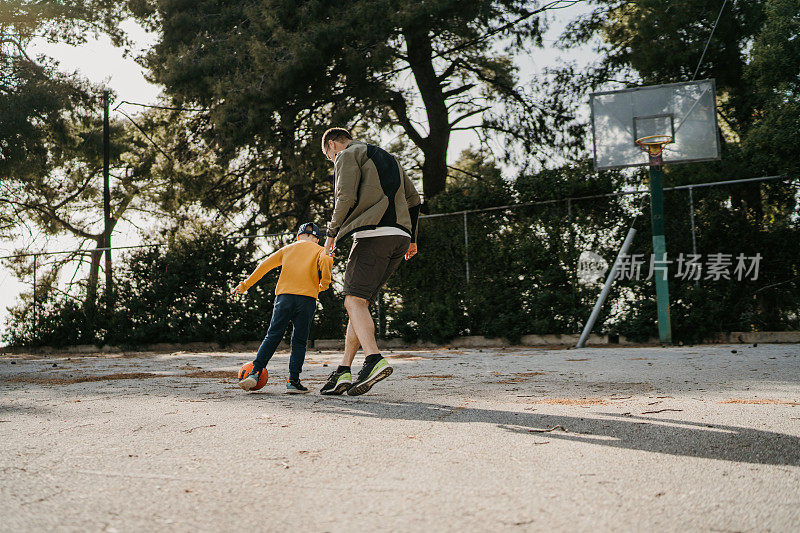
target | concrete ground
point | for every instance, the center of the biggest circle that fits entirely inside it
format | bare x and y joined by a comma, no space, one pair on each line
637,439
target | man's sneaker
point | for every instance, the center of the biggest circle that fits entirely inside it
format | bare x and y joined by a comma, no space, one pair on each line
250,380
338,382
369,375
295,387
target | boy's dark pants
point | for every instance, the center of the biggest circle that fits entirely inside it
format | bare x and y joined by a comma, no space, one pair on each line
299,310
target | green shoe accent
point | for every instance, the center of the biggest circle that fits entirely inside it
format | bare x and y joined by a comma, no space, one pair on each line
380,371
383,363
339,386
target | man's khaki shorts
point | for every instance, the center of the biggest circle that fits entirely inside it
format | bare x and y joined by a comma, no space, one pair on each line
371,262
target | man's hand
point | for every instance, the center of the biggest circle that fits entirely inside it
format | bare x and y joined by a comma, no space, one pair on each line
329,245
412,251
239,289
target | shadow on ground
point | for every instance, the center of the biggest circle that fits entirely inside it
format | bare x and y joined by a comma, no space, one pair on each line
651,434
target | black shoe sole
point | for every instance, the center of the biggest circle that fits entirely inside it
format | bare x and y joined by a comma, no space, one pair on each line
361,388
338,390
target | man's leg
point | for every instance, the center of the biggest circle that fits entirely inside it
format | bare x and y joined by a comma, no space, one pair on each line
368,267
375,366
351,344
341,378
361,322
351,340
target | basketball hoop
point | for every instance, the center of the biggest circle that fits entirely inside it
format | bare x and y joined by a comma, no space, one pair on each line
636,120
654,144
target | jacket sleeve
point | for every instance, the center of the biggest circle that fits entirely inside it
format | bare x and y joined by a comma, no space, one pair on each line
347,173
325,265
414,203
273,261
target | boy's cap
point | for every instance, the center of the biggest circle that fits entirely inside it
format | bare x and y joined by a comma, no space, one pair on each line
309,228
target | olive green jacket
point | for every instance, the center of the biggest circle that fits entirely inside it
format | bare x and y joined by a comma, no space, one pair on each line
372,190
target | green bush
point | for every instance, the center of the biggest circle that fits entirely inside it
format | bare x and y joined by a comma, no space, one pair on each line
177,293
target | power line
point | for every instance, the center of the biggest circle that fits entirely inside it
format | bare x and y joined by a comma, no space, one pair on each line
158,147
709,40
153,106
453,213
144,133
606,195
136,246
476,176
555,4
547,7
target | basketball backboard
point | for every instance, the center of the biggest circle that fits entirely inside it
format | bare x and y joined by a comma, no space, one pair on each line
684,111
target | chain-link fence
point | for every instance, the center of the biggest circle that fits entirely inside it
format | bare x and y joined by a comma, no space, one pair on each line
502,271
516,270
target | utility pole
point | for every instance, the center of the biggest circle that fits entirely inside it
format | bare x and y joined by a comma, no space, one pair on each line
107,204
35,303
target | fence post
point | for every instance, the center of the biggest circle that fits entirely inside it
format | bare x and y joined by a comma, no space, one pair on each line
571,252
34,296
691,218
694,230
466,247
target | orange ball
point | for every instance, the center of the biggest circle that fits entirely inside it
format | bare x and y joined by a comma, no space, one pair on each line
262,379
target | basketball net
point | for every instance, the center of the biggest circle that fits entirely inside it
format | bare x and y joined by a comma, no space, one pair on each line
654,146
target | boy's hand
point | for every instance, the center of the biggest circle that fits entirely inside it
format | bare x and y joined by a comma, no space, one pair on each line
239,289
412,251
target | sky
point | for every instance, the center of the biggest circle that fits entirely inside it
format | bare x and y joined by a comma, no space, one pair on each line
101,62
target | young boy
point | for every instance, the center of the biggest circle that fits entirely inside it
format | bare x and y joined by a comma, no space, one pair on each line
306,270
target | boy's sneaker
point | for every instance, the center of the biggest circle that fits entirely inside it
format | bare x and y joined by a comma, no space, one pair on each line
338,382
250,380
295,387
370,374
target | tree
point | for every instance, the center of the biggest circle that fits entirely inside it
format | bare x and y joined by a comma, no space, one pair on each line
753,56
646,42
51,136
772,72
273,75
173,293
750,55
62,194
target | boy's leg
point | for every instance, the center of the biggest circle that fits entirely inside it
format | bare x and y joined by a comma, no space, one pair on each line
302,317
281,314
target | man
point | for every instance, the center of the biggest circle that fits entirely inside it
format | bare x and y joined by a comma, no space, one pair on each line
378,205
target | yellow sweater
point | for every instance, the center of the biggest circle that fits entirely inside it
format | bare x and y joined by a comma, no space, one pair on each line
306,269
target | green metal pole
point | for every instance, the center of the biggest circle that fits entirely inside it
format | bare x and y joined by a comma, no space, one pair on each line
659,246
34,298
107,205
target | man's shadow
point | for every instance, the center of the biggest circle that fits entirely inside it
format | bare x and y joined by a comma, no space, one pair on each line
661,435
